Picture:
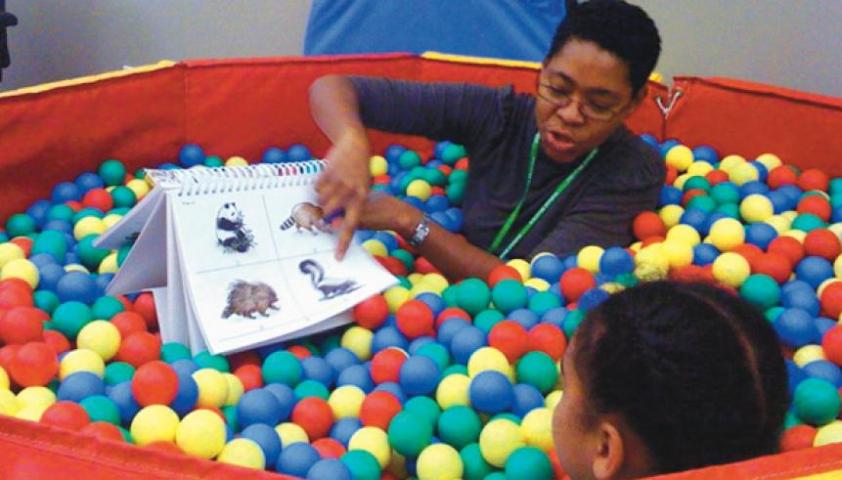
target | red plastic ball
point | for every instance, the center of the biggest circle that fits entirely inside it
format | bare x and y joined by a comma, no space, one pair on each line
788,247
329,448
98,198
314,415
691,273
144,304
7,353
445,169
154,383
648,224
461,164
20,325
422,265
414,319
715,177
691,194
392,264
66,414
510,338
128,323
386,365
33,364
832,345
378,408
548,338
815,204
831,299
57,341
672,174
780,176
14,292
25,243
748,251
502,272
139,348
575,282
127,304
249,357
774,264
381,179
250,376
452,312
103,431
798,437
371,312
300,351
821,242
75,205
813,179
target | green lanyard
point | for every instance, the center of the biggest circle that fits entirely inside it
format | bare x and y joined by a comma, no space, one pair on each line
562,186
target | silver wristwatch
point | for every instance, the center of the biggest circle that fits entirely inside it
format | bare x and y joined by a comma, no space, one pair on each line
421,232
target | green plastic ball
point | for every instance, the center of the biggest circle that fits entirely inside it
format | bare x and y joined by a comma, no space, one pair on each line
106,307
457,176
807,222
87,212
435,177
835,186
423,407
730,210
476,468
702,202
455,369
172,351
486,319
537,369
282,367
459,426
452,153
409,159
101,409
725,193
230,414
473,295
214,161
455,193
409,433
60,212
496,476
51,242
816,401
46,300
791,420
437,353
761,290
89,255
697,182
449,296
69,317
118,372
509,295
404,282
529,462
363,465
542,302
112,172
122,253
20,224
572,321
123,197
627,280
205,359
773,313
311,388
405,257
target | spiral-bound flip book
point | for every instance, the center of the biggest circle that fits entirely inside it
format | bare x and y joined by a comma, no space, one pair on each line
240,257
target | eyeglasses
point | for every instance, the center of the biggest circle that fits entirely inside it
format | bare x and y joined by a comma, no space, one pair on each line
561,98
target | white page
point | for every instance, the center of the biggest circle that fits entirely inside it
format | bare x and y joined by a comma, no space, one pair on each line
132,222
176,308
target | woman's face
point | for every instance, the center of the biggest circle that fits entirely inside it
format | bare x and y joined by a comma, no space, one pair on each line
570,423
584,94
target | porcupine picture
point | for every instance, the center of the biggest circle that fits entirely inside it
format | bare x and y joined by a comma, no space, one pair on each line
232,234
306,216
249,299
328,287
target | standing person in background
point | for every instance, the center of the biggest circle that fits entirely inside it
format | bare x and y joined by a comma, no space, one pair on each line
554,172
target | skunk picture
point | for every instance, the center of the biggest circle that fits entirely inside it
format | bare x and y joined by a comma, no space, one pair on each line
329,287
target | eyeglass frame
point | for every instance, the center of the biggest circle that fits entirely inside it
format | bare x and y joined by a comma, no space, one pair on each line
614,112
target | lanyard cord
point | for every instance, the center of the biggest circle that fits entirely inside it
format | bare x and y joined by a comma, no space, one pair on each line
562,186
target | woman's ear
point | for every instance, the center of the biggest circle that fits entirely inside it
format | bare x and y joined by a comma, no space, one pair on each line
610,453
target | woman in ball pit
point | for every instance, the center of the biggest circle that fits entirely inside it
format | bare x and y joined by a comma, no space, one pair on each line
554,172
669,376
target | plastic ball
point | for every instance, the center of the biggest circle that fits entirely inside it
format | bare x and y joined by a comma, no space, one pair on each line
243,452
378,408
65,414
419,375
408,434
439,462
282,367
726,233
358,340
100,336
213,388
510,338
508,295
155,383
498,440
489,359
453,390
491,392
314,415
415,319
589,258
756,208
362,464
679,157
155,423
374,441
814,270
731,269
761,290
648,224
20,268
372,312
816,401
473,295
822,243
576,281
201,433
536,428
808,354
538,369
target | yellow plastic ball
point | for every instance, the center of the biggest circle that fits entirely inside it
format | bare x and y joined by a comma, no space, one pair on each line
779,223
789,215
538,284
827,434
671,215
537,428
743,173
358,340
422,287
375,247
799,235
346,401
808,354
23,269
730,162
680,157
769,160
756,208
651,263
213,388
395,297
139,186
684,234
374,441
243,452
522,267
30,396
588,258
437,280
420,189
439,461
154,423
81,360
489,358
10,251
679,254
9,404
837,266
75,267
656,77
291,433
88,226
836,228
680,181
235,389
4,379
377,166
453,390
699,169
100,336
731,269
499,439
108,264
636,246
32,413
726,234
201,433
553,398
236,162
415,278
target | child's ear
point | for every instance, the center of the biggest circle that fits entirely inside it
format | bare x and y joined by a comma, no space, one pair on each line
610,454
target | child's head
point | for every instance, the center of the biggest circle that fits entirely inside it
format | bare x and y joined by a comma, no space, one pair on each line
669,376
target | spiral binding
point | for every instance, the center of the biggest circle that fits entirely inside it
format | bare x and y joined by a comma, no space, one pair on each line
213,180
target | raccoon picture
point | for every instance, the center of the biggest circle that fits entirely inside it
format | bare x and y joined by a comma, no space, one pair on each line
306,216
329,287
231,232
248,299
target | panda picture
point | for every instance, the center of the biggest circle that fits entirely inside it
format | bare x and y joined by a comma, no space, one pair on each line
231,232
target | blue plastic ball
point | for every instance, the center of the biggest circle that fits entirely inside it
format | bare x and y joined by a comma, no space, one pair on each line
285,396
705,153
650,140
188,392
388,240
823,324
591,299
669,196
65,192
616,261
419,375
803,298
78,286
317,368
525,317
388,336
121,395
548,267
704,254
753,187
449,329
814,270
184,366
393,153
796,328
38,211
555,316
526,399
357,375
435,302
274,155
344,429
469,340
191,155
80,385
457,218
393,388
267,438
88,181
760,234
694,217
298,153
49,276
824,370
491,392
296,459
341,358
331,468
436,203
258,406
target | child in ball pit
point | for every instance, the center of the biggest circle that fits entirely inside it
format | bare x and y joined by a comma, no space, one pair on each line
669,376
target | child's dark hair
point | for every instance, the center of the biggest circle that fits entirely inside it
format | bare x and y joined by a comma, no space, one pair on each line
618,27
695,371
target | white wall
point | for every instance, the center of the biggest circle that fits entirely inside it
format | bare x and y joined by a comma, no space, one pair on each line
58,39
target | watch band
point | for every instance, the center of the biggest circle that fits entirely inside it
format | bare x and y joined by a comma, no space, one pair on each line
421,232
